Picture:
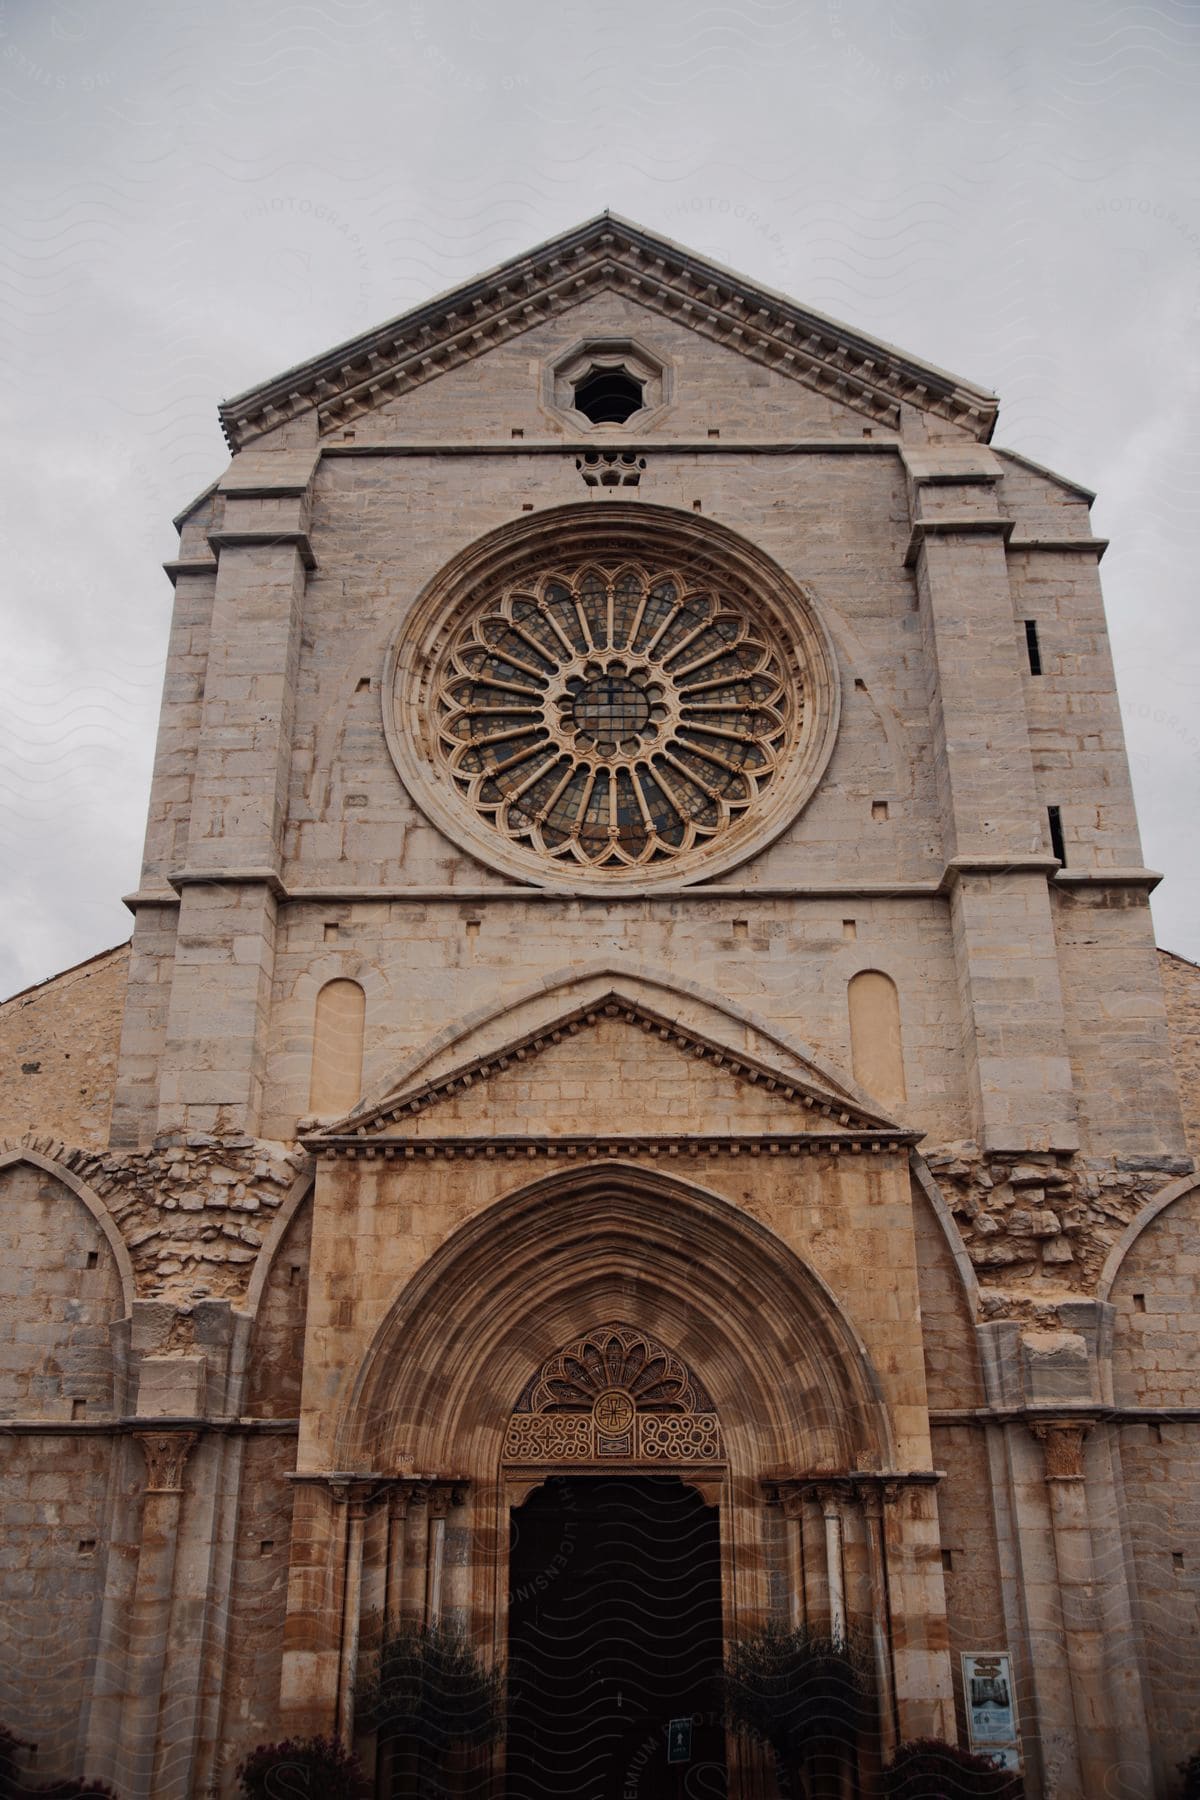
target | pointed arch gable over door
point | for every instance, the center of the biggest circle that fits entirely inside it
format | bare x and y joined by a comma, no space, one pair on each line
788,1372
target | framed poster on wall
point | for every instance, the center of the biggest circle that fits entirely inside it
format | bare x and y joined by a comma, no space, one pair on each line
991,1706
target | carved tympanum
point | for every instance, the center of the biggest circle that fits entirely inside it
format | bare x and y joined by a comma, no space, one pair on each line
613,1394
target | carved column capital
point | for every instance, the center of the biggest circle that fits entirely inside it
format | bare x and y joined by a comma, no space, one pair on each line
165,1452
1062,1440
443,1495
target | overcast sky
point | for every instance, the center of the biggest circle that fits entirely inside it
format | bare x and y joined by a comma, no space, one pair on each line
196,197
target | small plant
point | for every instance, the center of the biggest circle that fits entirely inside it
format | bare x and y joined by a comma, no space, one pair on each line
318,1768
797,1692
1190,1770
432,1694
929,1769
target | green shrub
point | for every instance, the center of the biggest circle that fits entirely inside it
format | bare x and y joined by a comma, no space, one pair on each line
432,1694
797,1692
929,1769
317,1768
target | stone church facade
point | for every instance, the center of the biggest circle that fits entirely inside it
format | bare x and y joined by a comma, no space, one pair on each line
642,975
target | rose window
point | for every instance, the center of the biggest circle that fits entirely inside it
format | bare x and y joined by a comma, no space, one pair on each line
615,717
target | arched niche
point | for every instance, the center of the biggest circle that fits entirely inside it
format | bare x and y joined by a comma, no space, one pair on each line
949,1295
1152,1283
65,1280
275,1366
876,1044
339,1020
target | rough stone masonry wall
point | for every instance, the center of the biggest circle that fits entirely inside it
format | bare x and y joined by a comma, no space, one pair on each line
58,1051
52,1562
1181,989
194,1215
1156,1351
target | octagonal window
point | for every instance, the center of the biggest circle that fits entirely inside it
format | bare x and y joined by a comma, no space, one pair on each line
608,396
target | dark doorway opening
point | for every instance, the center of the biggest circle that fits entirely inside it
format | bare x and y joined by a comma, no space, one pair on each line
614,1633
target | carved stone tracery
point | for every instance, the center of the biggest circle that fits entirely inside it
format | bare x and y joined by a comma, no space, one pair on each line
616,695
616,716
613,1394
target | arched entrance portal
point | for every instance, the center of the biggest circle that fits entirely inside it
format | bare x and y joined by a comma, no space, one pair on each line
735,1375
615,1590
614,1641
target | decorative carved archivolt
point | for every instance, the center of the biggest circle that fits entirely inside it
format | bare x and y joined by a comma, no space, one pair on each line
613,1395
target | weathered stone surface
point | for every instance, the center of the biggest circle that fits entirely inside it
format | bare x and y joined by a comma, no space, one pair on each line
592,1105
58,1051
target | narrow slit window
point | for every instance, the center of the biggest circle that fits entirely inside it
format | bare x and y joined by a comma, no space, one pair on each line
1033,648
1054,814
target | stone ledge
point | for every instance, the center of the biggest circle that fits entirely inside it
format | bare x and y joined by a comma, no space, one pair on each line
965,527
1099,1412
266,539
798,1143
189,566
184,878
127,1426
1096,546
1147,878
1037,863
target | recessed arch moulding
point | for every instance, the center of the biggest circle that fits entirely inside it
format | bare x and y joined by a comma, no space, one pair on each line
439,1286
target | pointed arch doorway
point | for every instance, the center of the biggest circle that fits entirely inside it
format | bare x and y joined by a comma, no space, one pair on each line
614,1640
615,1576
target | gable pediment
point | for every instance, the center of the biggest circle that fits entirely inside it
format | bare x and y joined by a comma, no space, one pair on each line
615,1073
607,253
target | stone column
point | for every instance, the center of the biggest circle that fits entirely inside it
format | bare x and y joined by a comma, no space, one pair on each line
872,1498
793,1515
166,1453
456,1566
1062,1441
439,1504
995,831
355,1498
312,1635
916,1606
399,1501
831,1513
416,1556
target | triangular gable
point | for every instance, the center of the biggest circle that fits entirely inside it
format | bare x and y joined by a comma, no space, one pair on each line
864,373
725,1093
